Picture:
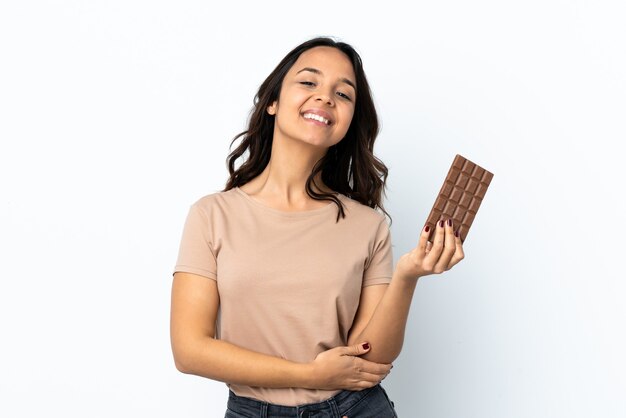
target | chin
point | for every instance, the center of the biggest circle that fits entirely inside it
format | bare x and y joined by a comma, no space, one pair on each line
322,143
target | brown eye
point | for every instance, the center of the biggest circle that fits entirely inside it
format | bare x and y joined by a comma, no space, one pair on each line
343,95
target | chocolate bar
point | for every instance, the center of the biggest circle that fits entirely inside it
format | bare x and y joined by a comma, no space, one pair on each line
460,196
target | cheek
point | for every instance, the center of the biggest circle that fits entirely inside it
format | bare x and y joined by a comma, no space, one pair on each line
289,106
347,117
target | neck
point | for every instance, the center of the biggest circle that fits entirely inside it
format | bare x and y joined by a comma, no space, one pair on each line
284,178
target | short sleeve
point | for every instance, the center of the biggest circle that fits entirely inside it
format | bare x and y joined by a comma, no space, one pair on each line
379,264
195,254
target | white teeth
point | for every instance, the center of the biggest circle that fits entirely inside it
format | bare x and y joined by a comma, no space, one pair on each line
316,117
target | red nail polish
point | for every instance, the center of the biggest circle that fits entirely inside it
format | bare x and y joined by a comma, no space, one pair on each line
366,346
450,222
441,223
456,233
427,228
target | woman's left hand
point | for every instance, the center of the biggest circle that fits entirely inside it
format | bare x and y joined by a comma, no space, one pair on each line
433,258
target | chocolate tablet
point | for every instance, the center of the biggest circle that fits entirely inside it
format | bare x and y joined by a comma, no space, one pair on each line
460,196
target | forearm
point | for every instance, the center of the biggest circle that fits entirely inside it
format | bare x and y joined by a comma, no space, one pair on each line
385,330
226,362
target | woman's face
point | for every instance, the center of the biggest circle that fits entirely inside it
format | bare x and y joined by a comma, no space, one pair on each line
317,98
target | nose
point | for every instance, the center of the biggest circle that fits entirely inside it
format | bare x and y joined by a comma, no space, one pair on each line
324,97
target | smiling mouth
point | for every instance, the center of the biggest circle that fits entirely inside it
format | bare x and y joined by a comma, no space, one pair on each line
318,118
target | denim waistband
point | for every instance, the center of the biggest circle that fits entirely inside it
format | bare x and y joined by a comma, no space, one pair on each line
344,400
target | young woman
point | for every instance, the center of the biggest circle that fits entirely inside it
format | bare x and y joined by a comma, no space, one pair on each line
283,287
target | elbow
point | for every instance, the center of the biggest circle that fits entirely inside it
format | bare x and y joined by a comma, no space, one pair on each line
381,356
190,354
383,353
379,352
183,357
181,362
181,366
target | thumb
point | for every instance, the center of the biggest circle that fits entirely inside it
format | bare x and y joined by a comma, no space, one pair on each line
357,349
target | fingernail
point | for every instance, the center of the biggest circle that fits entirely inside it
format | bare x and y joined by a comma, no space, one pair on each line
366,346
426,228
456,233
441,223
450,222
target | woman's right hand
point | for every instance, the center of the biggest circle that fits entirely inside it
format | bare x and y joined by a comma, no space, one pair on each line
342,368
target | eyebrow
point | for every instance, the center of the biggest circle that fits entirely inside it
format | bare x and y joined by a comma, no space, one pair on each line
316,71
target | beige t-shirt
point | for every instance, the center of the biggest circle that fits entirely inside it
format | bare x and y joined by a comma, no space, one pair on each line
289,282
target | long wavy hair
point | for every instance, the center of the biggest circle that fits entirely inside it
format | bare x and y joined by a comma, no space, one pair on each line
348,167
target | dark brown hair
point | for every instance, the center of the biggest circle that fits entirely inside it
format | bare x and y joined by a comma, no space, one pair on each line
348,167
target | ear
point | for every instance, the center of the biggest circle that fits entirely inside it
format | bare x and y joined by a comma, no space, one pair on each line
272,109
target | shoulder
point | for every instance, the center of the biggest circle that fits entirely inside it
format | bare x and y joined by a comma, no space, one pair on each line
361,213
215,200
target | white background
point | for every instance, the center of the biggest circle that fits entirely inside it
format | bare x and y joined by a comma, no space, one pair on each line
116,115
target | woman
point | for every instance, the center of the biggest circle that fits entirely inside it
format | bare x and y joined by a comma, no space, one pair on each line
310,315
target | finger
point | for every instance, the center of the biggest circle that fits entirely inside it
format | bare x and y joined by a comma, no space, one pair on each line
435,252
356,349
459,254
429,246
422,244
367,366
449,248
371,378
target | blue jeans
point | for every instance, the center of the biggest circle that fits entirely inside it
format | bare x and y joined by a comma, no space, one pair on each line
367,403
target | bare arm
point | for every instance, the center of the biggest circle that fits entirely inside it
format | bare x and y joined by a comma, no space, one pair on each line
194,306
388,310
383,310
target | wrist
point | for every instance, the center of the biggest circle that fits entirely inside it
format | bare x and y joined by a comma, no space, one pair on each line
305,376
404,278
